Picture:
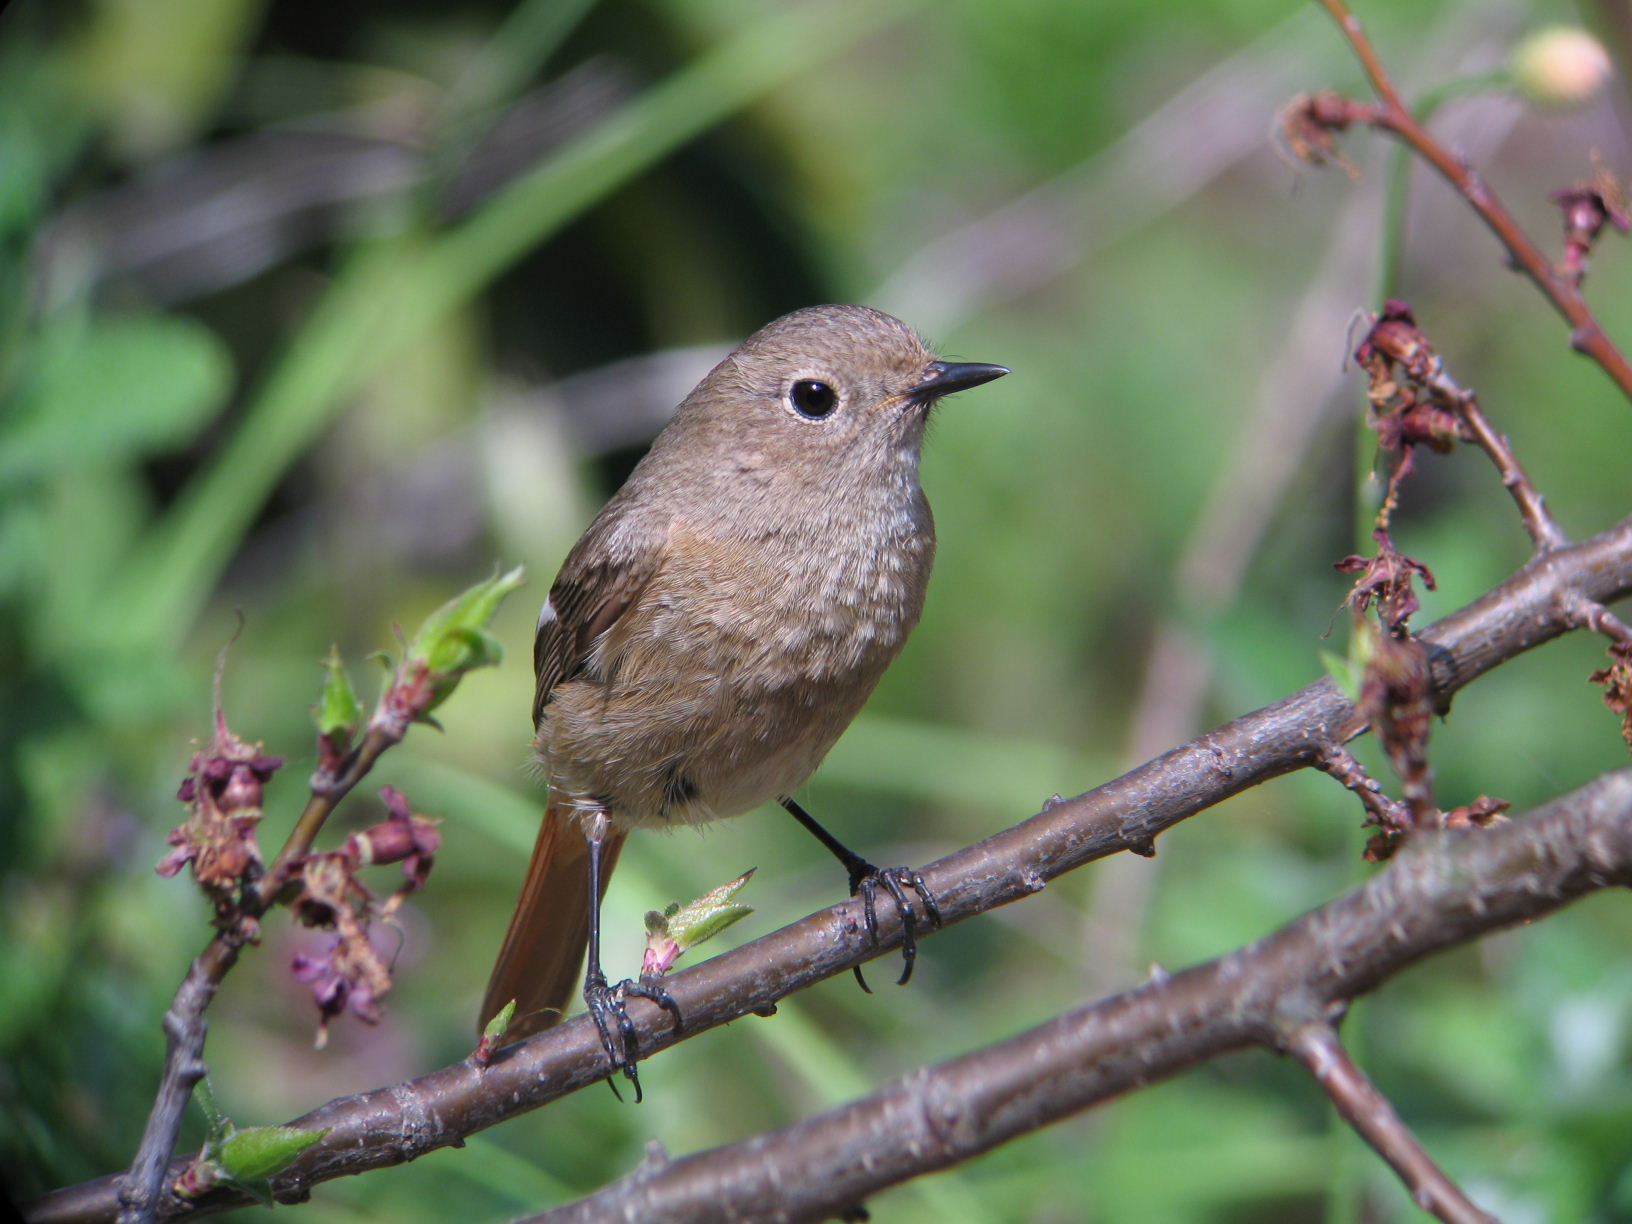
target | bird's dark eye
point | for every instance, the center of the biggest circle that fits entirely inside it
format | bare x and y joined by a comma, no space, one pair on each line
812,399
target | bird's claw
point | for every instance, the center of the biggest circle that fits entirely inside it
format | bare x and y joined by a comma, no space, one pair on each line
608,1004
865,882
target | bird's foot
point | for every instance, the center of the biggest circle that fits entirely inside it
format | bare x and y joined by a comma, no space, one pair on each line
608,1004
865,881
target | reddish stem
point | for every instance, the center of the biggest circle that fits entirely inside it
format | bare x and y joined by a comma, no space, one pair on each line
1586,335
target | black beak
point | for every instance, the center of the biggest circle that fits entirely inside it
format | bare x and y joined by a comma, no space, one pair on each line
945,377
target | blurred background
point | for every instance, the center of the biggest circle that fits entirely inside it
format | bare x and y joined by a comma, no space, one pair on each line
312,314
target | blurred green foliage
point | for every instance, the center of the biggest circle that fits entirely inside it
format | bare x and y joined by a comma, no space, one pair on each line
308,313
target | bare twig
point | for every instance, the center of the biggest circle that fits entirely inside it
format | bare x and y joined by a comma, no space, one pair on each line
1545,532
1584,613
1315,1044
392,1125
141,1188
1544,529
1586,335
1381,810
1443,890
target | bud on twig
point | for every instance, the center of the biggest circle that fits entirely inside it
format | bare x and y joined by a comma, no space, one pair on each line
492,1034
245,1160
1480,814
452,641
680,928
338,714
1561,68
403,837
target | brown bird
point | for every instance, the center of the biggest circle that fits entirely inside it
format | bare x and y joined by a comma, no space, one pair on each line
719,625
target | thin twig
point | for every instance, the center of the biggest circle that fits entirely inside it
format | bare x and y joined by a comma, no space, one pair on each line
142,1186
1346,768
1545,531
1589,614
1315,1044
1586,334
392,1125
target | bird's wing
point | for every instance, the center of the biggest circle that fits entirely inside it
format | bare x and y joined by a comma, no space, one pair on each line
599,582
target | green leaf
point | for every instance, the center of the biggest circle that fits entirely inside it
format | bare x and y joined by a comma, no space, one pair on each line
244,1159
115,390
260,1152
258,1188
501,1021
1342,674
700,920
338,713
461,648
454,639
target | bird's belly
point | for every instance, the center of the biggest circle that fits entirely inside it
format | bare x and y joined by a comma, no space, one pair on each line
701,711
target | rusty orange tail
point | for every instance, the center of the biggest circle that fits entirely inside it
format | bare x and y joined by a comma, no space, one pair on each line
543,952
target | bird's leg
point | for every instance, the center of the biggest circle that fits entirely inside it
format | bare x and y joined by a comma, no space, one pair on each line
865,881
606,1003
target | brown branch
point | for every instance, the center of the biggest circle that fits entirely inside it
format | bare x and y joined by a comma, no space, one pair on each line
389,1126
1280,992
1586,334
1315,1044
